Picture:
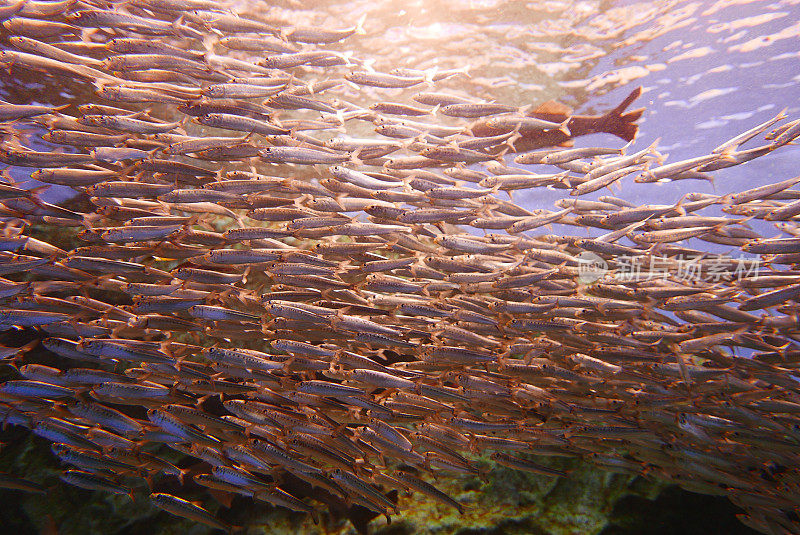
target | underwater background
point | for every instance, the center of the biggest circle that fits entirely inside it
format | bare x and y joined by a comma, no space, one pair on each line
708,69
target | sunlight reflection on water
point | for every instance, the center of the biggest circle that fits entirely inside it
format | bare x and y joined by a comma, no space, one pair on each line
709,69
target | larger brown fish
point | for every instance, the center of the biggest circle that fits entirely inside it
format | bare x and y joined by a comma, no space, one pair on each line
616,122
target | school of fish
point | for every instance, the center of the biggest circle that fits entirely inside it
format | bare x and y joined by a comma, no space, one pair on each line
288,286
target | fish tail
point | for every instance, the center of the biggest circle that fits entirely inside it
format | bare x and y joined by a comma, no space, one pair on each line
636,93
359,29
208,42
564,127
622,124
355,157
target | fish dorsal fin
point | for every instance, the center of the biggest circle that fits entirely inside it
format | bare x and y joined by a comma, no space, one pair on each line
551,107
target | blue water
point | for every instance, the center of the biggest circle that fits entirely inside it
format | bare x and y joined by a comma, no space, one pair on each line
709,69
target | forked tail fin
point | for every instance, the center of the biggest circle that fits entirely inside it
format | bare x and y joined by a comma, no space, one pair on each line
623,125
615,122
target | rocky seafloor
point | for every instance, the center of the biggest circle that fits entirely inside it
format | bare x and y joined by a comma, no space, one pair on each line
508,502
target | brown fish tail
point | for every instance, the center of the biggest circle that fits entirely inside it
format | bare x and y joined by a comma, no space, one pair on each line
622,124
636,93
